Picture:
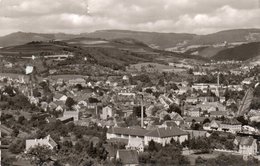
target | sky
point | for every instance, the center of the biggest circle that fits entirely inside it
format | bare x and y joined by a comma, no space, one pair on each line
75,16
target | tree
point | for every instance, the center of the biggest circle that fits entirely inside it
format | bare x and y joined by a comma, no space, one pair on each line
70,102
93,100
190,71
21,120
15,132
174,108
39,154
17,146
149,90
167,117
137,111
161,82
152,146
206,121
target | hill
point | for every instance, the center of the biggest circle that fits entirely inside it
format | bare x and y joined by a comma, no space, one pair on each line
153,39
230,36
115,54
20,38
240,53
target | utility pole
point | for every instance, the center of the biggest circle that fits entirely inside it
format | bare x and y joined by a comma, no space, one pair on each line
142,112
218,85
142,109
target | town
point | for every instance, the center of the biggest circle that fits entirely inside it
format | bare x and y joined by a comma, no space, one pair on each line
175,114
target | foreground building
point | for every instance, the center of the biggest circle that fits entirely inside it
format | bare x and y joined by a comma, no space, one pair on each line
47,141
246,145
127,157
165,135
160,135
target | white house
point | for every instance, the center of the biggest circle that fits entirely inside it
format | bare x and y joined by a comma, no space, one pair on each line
135,144
246,145
70,114
165,135
106,112
127,157
48,141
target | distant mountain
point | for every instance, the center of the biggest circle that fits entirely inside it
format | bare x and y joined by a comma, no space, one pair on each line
241,53
20,38
230,36
163,41
154,39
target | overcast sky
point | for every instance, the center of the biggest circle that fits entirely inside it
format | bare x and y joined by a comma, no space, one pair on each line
70,16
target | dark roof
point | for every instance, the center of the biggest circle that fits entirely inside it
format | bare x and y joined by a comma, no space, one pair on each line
118,140
128,131
218,113
197,119
231,122
170,124
245,141
166,132
111,150
128,156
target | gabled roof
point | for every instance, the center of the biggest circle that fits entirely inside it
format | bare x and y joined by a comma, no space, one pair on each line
197,119
166,132
177,117
170,123
128,156
223,113
245,141
127,131
231,122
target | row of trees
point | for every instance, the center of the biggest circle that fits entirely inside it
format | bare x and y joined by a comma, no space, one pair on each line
170,154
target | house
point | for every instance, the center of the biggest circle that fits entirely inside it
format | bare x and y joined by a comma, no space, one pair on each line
228,125
59,108
127,157
230,102
159,135
59,97
196,112
222,99
48,141
121,132
218,114
33,100
211,106
192,100
165,135
248,81
231,125
135,144
169,123
197,133
182,90
189,120
70,116
246,145
176,118
76,81
207,99
107,112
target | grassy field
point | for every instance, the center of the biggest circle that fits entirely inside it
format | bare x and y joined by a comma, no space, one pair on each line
13,75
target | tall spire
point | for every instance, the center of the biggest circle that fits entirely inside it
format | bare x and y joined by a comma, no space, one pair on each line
217,92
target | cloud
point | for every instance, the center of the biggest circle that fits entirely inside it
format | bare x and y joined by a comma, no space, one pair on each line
191,16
